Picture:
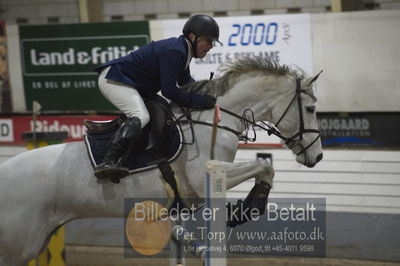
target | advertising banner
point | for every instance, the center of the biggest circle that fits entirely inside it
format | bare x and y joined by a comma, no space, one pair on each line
59,61
355,130
12,127
360,130
284,38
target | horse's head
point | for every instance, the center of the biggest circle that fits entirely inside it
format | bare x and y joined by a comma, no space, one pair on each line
296,120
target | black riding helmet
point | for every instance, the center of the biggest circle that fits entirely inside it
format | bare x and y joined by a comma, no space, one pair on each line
201,25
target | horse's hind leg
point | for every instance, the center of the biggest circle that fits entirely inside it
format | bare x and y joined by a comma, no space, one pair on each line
257,198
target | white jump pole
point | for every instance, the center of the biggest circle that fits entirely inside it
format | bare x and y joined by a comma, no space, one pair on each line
215,190
215,237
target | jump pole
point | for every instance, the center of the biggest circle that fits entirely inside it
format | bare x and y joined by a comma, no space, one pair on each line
215,193
215,236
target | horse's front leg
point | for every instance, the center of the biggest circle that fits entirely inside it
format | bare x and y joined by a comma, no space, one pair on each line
237,173
257,198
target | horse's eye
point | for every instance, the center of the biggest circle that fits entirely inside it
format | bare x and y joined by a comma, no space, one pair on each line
310,109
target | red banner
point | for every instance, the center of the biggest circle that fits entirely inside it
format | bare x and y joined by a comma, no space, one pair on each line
12,127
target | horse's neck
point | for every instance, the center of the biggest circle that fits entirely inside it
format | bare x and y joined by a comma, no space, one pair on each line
260,94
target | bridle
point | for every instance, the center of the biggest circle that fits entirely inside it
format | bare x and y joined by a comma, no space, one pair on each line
298,137
271,130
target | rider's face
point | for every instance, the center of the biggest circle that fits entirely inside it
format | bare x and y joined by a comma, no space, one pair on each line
204,44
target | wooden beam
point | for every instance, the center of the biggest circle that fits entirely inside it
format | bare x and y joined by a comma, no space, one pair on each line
336,5
343,5
90,11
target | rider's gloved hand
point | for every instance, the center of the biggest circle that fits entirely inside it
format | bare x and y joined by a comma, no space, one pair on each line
209,101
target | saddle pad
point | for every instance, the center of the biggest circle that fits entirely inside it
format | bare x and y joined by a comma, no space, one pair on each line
138,159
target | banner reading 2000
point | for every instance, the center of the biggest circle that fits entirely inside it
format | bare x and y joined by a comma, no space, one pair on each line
59,61
283,38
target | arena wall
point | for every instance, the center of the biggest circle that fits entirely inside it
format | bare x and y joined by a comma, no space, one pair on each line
358,52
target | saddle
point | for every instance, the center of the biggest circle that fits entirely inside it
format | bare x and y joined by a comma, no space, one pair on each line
161,140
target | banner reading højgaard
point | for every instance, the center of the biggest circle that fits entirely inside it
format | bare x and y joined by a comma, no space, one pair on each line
59,61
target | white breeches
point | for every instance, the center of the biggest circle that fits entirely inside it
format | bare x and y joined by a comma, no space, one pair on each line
125,97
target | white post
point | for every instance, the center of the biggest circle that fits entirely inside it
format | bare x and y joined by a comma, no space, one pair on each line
215,190
216,235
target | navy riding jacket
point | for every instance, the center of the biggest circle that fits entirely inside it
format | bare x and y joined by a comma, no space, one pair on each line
159,65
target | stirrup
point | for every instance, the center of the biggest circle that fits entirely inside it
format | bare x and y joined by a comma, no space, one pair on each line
111,173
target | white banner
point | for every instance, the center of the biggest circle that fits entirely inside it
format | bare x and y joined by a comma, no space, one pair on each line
284,38
6,130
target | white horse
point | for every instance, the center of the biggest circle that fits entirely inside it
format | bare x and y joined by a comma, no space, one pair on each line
44,188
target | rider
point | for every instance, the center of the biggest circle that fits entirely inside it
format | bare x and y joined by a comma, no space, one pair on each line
137,77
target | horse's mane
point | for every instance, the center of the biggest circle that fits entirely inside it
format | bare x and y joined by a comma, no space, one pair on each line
231,70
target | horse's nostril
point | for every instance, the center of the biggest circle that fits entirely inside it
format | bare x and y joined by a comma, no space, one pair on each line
319,157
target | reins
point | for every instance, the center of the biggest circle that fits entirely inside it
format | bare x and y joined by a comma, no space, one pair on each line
271,130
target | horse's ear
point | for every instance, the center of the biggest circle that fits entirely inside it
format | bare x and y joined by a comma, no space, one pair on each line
313,79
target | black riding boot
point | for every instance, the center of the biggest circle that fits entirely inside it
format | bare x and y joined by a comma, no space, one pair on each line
126,135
